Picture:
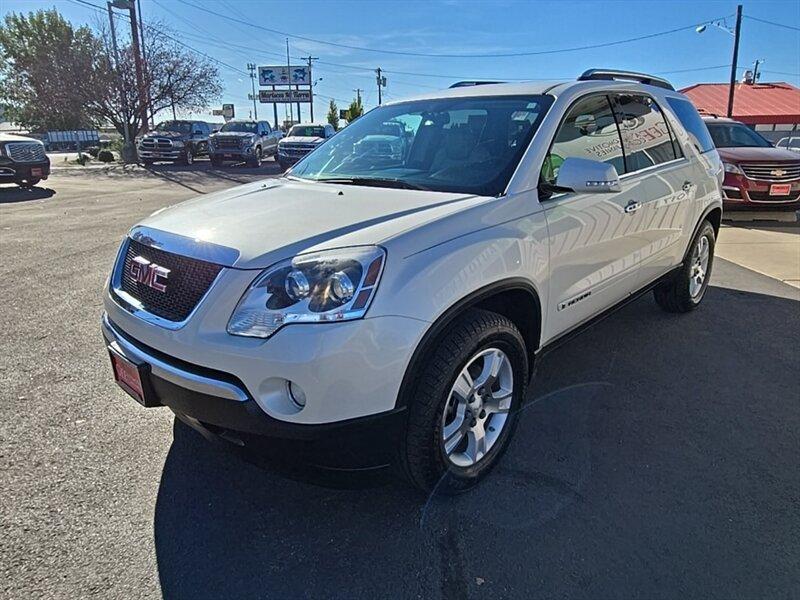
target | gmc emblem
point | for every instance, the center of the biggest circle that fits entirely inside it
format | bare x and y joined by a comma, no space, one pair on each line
152,275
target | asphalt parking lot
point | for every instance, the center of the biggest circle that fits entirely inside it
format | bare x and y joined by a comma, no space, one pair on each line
658,456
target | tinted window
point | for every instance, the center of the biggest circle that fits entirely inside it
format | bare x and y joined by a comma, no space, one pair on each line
589,131
645,135
735,135
470,145
178,126
690,119
240,126
307,131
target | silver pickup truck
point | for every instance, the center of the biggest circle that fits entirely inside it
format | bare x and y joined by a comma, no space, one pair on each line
243,141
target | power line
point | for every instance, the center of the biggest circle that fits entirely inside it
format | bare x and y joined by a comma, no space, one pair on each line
792,27
435,55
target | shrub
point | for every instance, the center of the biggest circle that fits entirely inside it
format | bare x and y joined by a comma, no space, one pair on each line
94,151
105,156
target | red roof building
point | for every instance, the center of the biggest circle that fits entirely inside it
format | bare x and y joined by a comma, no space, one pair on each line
754,104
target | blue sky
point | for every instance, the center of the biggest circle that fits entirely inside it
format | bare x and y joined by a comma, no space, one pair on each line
351,39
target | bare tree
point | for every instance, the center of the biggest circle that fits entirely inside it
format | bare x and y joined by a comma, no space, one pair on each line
176,78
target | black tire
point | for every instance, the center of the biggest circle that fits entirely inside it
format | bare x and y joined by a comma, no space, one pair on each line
29,183
255,162
188,156
422,456
675,295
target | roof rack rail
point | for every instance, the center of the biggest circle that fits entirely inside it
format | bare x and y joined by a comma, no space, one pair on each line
471,83
611,74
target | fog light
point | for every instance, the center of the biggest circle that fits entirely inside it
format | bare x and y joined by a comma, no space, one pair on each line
297,394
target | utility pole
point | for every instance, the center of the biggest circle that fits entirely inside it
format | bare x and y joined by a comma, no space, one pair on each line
289,71
145,66
734,64
128,151
252,68
381,84
130,6
757,64
311,86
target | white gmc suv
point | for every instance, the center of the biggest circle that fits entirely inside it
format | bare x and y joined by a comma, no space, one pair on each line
369,309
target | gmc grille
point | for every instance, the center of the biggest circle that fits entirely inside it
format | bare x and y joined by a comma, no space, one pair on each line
188,281
773,172
227,142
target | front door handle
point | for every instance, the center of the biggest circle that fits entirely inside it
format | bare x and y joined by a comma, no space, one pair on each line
687,186
633,206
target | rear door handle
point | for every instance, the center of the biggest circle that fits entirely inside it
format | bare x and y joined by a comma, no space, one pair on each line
633,206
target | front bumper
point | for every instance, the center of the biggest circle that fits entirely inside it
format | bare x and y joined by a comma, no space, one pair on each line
219,407
174,154
290,157
14,172
743,193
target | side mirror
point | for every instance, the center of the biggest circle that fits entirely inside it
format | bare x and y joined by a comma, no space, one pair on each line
588,176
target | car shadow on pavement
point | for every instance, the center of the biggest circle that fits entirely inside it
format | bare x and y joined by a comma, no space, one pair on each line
657,452
11,195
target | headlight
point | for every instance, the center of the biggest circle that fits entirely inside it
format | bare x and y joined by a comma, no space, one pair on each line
177,144
731,168
334,285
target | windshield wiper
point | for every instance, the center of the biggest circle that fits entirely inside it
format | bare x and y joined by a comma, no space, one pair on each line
387,182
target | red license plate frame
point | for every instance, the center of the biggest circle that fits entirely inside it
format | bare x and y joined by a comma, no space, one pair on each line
133,378
37,172
780,189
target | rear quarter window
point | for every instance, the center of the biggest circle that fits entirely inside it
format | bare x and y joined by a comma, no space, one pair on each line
690,119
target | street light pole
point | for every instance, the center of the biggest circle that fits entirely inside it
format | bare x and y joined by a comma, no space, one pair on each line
734,64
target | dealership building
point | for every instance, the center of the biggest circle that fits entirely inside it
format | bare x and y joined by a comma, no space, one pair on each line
772,109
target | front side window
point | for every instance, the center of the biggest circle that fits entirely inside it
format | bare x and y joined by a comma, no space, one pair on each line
646,138
464,145
735,135
589,130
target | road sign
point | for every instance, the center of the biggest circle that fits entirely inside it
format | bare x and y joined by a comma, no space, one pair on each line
227,111
284,75
284,96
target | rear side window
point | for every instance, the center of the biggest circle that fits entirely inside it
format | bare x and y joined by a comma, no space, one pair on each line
690,119
645,136
589,130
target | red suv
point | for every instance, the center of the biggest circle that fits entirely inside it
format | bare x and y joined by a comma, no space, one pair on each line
758,176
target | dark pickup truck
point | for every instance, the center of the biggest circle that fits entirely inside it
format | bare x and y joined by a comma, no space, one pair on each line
174,141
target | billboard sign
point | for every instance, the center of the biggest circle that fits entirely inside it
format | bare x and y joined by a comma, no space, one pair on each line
284,75
284,96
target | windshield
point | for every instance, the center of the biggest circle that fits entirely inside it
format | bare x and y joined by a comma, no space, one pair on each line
240,126
307,131
735,135
179,126
465,145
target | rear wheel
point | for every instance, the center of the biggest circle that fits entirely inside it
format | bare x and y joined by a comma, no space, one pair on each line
685,291
463,410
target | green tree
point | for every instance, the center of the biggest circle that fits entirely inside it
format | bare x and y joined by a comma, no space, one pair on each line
333,114
355,110
47,69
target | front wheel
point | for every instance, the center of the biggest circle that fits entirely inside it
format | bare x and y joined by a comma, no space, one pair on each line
255,161
686,289
188,156
463,410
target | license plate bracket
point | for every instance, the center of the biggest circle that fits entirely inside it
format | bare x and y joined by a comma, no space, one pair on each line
133,378
780,189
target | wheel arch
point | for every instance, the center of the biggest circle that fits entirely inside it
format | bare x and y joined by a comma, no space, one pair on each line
712,214
515,298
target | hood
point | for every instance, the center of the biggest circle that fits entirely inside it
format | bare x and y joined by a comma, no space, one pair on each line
770,155
166,134
302,139
12,137
235,134
273,220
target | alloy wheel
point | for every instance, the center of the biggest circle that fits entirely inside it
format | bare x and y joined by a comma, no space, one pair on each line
477,407
699,269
